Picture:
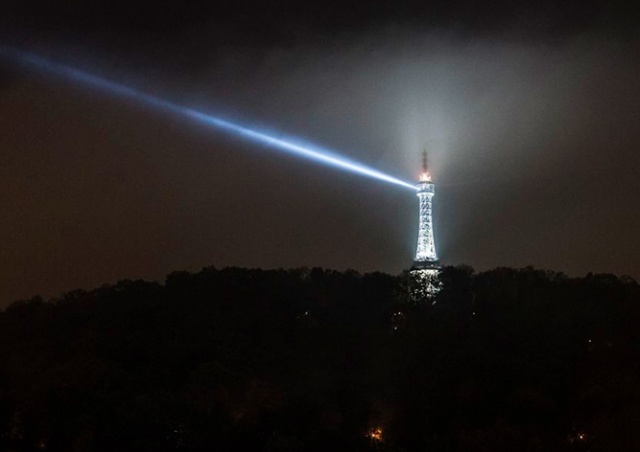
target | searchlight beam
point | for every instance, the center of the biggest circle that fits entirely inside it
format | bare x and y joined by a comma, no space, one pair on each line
287,145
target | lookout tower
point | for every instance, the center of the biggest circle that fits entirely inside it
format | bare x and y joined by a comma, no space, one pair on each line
426,257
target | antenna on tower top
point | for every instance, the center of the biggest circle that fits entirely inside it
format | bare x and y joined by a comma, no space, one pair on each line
425,176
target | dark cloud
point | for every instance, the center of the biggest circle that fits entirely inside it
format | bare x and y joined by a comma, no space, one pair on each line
186,37
288,22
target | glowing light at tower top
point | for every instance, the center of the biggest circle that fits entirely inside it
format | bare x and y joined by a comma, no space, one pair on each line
425,177
290,146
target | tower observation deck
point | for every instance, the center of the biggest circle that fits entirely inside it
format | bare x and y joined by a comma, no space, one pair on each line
426,257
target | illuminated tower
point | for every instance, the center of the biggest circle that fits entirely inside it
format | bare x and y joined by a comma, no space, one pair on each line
426,257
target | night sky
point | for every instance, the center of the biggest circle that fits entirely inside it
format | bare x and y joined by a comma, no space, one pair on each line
530,113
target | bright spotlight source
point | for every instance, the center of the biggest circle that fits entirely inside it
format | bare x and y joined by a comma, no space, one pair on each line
302,150
425,177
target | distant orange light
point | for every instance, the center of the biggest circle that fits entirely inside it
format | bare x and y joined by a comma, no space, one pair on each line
425,177
579,437
375,434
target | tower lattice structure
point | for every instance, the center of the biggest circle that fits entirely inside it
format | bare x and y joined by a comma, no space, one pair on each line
426,256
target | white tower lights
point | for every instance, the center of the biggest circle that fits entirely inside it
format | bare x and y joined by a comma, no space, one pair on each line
426,257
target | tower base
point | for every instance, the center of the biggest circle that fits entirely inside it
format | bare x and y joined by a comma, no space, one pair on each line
425,265
426,281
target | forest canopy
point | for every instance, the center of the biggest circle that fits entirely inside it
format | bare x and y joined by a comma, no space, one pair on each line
314,359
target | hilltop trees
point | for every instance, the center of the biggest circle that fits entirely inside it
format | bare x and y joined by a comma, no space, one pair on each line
313,359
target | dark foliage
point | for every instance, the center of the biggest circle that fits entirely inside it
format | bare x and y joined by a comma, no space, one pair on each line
235,359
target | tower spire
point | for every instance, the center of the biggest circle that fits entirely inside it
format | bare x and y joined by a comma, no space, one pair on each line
425,166
424,175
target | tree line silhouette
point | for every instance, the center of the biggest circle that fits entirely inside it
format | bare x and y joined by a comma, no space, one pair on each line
321,360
